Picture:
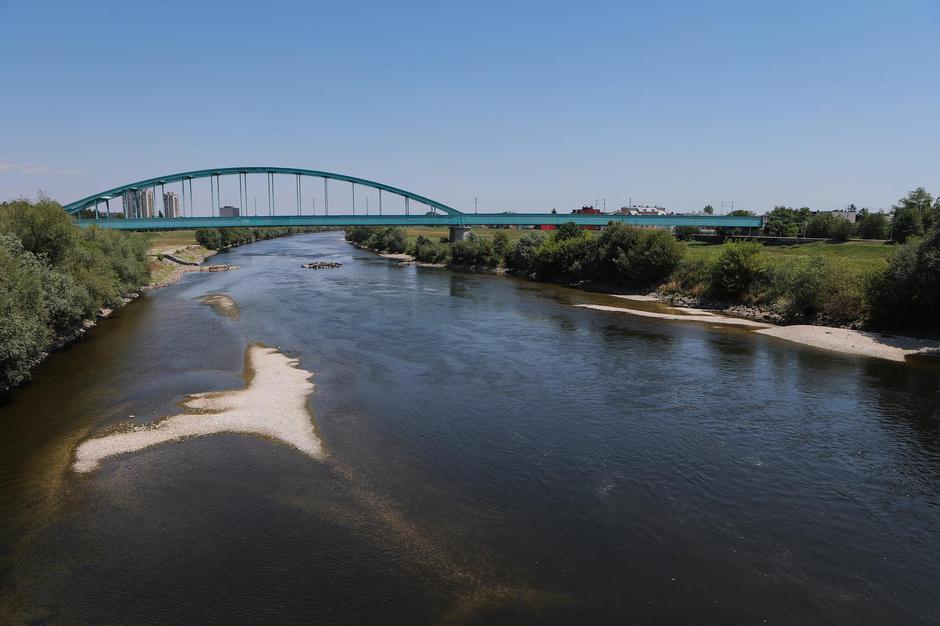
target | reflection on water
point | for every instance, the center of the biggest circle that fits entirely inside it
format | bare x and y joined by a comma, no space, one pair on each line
496,455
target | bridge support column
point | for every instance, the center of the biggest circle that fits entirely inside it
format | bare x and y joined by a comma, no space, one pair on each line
458,233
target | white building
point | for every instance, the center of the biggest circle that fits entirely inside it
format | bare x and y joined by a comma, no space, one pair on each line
171,204
138,203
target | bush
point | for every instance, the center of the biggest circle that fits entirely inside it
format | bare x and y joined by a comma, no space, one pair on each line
690,277
521,258
474,251
872,226
817,287
53,275
840,230
906,294
562,259
633,257
428,251
738,268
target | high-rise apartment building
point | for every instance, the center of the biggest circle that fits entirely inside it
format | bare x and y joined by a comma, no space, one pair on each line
171,204
138,203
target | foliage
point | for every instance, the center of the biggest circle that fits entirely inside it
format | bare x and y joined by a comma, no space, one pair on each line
53,275
568,230
914,214
633,257
428,251
474,251
522,257
817,286
907,293
786,222
739,266
691,277
871,225
906,223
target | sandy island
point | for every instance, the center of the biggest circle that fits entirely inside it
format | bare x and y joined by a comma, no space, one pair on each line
273,405
842,340
221,303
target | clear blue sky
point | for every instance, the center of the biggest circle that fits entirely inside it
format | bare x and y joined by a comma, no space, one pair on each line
528,105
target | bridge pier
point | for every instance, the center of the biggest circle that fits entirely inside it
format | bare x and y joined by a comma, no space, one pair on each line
458,233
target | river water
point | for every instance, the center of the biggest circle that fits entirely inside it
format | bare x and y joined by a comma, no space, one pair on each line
493,455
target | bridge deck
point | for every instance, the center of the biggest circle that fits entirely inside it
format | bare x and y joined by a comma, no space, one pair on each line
462,219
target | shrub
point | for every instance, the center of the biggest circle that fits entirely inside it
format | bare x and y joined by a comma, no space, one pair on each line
906,294
474,251
690,277
633,257
840,230
817,287
738,268
563,259
521,259
428,251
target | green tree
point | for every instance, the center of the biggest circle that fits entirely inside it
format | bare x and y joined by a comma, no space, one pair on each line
913,215
871,225
709,209
42,227
907,222
568,230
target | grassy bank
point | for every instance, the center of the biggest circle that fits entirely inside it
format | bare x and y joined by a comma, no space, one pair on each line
888,287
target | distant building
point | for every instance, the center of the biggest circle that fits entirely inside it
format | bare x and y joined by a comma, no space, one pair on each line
228,211
138,203
171,204
588,210
644,211
849,215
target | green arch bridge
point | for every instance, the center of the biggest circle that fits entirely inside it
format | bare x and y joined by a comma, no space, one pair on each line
89,210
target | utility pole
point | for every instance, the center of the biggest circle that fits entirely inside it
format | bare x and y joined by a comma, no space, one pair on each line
474,204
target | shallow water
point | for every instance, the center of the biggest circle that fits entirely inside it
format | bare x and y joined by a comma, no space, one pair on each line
493,454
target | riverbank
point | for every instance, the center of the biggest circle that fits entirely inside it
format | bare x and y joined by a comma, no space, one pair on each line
844,340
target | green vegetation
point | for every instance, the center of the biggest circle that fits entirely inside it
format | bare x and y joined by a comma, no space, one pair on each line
53,275
219,238
852,283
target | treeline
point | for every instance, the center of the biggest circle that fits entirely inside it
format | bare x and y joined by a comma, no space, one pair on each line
915,215
54,275
903,294
219,238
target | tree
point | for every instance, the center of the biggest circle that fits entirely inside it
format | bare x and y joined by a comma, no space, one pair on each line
913,215
871,225
42,227
568,230
709,209
906,223
819,225
783,222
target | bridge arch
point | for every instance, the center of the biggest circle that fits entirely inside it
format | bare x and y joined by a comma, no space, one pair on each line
183,177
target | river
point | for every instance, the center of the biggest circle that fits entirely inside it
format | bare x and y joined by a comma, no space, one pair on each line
493,454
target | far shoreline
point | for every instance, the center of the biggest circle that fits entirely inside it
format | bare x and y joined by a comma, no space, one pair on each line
891,347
